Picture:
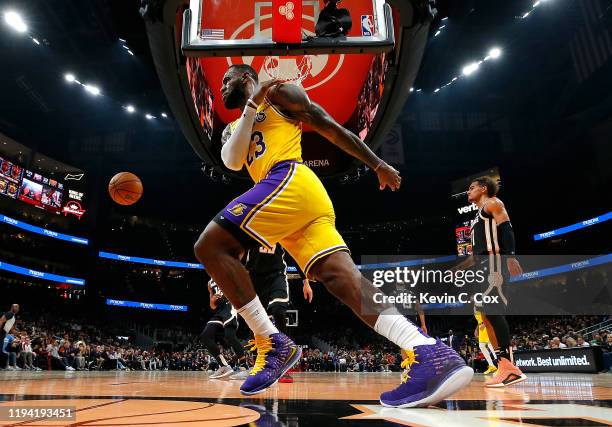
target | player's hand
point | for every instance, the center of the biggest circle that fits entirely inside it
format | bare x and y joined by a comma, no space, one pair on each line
260,90
308,294
514,267
388,176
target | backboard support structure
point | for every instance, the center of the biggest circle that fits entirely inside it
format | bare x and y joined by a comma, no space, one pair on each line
193,43
292,318
362,80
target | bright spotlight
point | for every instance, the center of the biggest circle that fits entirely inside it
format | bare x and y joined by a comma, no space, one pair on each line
148,116
411,89
69,77
495,53
130,52
130,108
164,115
470,68
94,90
437,33
35,40
14,20
437,90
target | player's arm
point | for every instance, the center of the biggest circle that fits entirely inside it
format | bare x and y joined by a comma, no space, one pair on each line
421,314
505,234
422,318
236,146
293,100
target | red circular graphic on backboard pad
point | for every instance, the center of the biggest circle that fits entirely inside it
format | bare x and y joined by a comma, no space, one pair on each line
334,81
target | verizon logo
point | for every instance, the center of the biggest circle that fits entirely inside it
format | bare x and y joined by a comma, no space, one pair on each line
467,209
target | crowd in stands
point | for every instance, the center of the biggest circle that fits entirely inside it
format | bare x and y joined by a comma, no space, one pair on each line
545,333
342,359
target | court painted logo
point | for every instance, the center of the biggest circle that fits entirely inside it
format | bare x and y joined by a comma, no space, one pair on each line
512,415
237,210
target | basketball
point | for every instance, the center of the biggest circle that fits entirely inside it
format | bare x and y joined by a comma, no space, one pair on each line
125,188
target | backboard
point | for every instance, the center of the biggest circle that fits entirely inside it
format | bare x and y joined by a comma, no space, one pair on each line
361,79
348,86
214,28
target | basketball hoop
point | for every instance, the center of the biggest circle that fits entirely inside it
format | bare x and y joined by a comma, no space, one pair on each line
289,69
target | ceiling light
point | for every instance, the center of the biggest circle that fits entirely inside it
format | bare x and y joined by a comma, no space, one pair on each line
14,20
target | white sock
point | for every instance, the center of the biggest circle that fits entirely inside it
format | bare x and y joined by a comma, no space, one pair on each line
485,353
397,329
222,359
492,350
256,317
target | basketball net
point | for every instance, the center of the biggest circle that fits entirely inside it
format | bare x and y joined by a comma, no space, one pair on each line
289,69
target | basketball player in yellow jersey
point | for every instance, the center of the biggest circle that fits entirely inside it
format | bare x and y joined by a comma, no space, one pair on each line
289,205
484,342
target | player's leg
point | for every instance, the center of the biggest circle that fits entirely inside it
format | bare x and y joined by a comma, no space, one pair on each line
507,373
208,338
435,372
321,253
220,252
492,351
278,301
485,352
252,219
229,334
273,291
278,304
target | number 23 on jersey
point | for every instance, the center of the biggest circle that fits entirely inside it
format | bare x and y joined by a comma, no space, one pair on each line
257,147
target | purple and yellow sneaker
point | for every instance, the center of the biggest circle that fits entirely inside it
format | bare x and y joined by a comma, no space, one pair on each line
431,374
275,356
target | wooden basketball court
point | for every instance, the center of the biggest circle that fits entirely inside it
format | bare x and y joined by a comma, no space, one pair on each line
325,399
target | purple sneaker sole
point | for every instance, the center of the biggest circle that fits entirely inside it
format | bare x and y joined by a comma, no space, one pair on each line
444,385
288,365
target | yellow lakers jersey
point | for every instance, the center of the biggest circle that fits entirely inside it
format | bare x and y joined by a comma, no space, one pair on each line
275,138
483,335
